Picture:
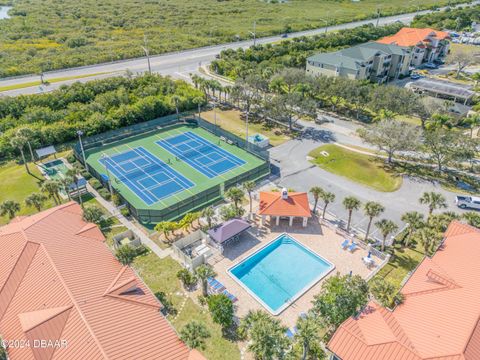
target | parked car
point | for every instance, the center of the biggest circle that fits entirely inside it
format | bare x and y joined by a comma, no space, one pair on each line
415,76
285,35
431,66
471,202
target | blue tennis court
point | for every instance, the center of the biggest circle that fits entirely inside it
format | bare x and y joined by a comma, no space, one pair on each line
204,156
146,175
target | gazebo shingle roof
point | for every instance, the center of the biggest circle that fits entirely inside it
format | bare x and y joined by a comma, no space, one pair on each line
227,230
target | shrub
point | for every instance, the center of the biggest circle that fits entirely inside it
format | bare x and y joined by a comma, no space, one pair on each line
126,254
117,200
125,211
96,184
221,308
71,159
93,214
86,174
194,335
105,194
187,278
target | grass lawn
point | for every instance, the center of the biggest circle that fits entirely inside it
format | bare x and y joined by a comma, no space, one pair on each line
361,168
17,184
404,261
161,277
230,120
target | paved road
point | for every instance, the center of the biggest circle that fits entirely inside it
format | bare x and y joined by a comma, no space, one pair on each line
298,173
178,64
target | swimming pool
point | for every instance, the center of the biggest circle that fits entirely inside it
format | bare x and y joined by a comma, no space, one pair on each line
280,272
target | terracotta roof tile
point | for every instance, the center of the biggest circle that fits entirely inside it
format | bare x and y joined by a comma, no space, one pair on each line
413,36
53,285
296,204
439,318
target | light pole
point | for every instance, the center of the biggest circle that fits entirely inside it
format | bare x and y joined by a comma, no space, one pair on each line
378,16
80,133
147,53
215,114
254,33
246,129
109,180
326,25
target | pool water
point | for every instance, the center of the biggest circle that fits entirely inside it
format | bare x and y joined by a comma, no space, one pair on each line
279,273
55,169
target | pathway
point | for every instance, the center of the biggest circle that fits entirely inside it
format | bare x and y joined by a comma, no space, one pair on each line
161,253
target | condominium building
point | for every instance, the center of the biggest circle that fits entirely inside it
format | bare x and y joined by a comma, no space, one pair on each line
371,61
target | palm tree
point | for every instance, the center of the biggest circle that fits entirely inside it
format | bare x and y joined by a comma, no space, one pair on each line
472,218
186,222
176,100
65,183
36,200
19,142
415,221
327,198
351,203
386,227
204,272
308,334
372,209
198,101
194,334
208,213
27,134
316,191
74,174
433,200
248,186
52,188
235,195
10,208
428,238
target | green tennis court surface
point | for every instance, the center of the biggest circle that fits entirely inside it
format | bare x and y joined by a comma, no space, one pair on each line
179,166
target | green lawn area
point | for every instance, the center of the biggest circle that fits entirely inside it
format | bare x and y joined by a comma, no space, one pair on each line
230,120
404,261
160,276
361,168
17,184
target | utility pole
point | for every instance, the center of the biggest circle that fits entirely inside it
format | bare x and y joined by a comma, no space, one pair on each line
254,32
104,157
378,16
80,133
147,53
246,130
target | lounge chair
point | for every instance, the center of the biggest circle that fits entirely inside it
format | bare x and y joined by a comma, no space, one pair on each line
215,286
289,333
345,244
230,296
353,246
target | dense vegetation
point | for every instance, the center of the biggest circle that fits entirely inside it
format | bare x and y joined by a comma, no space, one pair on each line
452,19
267,59
52,34
93,107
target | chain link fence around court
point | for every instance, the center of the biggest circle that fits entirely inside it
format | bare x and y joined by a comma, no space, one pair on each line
198,200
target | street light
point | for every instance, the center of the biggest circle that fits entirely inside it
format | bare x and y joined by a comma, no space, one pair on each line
254,33
80,133
147,53
326,24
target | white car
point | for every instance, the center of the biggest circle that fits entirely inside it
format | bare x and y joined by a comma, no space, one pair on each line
464,202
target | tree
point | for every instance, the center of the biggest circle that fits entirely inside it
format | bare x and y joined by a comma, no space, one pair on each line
433,200
126,254
288,108
385,292
391,136
425,107
461,59
340,297
93,214
473,218
10,208
308,336
386,227
316,191
372,209
52,188
186,222
208,213
221,308
415,221
166,227
351,203
428,238
19,142
266,335
199,101
235,195
176,101
36,200
187,278
229,212
194,335
27,133
327,198
473,121
204,272
74,173
441,145
248,186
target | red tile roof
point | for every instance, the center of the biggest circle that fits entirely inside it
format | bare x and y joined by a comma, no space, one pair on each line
412,37
272,203
59,281
439,318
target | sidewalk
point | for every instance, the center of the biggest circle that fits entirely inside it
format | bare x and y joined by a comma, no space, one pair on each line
129,225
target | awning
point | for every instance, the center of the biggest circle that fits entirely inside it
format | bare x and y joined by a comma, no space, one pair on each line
45,151
228,230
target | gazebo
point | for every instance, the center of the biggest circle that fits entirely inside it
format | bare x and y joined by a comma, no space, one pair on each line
45,151
284,204
227,232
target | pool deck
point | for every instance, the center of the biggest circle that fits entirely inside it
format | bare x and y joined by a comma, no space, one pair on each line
319,238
